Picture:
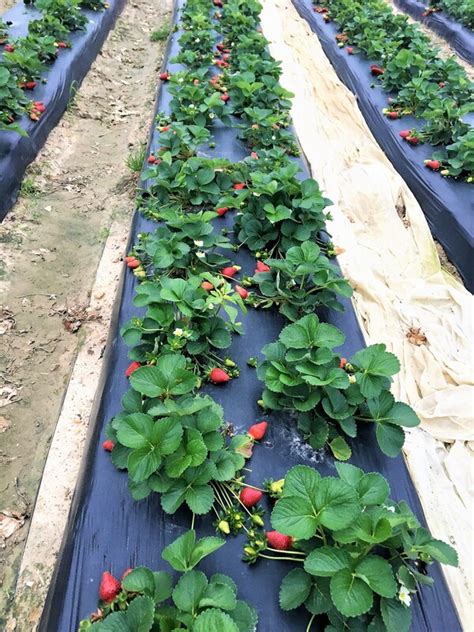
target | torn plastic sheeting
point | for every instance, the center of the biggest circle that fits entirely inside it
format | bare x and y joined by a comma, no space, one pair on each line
448,205
64,75
107,530
457,35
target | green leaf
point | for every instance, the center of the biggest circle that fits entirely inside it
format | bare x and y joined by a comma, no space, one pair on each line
115,622
373,489
295,516
441,552
340,448
214,620
351,596
326,561
336,503
204,547
245,617
135,431
163,586
167,435
301,481
390,439
143,462
294,589
349,473
308,332
178,553
377,573
140,614
219,595
395,615
319,599
200,499
140,580
174,497
189,591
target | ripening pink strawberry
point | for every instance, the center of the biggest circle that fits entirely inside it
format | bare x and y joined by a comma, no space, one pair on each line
131,368
257,431
219,376
242,292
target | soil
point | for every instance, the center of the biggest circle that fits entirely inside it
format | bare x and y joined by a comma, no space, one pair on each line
51,244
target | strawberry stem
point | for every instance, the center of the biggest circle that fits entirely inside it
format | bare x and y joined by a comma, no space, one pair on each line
310,623
269,548
273,557
259,489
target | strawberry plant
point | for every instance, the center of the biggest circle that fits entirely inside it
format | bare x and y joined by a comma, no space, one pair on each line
462,10
362,557
4,26
265,129
66,11
12,101
48,26
457,159
153,601
300,282
173,443
302,373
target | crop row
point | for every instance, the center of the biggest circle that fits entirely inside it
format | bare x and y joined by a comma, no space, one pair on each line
359,557
422,83
25,59
462,10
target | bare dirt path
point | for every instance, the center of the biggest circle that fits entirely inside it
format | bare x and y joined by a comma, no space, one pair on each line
50,246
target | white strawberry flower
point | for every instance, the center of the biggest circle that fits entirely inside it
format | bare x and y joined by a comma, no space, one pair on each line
199,243
200,254
178,332
404,595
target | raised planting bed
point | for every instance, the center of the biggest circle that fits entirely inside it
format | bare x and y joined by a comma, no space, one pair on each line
182,388
40,73
448,202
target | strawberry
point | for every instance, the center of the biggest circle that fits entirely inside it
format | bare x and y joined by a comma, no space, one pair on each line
433,164
441,84
376,70
108,445
39,106
196,82
225,97
279,541
262,267
413,140
30,85
342,363
109,587
250,497
219,376
242,292
134,263
207,286
392,115
230,271
131,368
220,46
164,76
222,211
151,159
9,48
257,431
217,3
129,258
350,50
239,186
254,155
405,133
62,45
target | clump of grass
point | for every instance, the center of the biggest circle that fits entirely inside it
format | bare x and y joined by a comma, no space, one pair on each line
160,34
136,159
29,188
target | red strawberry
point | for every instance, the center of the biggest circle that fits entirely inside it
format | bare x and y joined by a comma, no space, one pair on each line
279,541
129,258
225,97
222,211
30,85
220,47
257,431
413,140
342,363
62,45
131,368
376,70
262,267
151,159
239,186
109,587
433,164
217,3
250,497
219,376
254,155
207,286
9,48
134,263
230,271
392,115
165,128
108,445
39,105
242,292
405,133
441,84
350,50
164,76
